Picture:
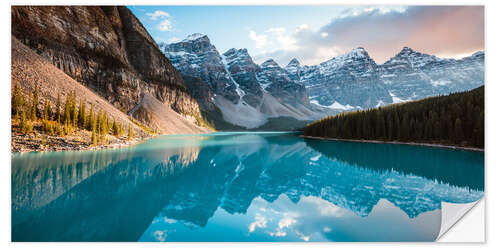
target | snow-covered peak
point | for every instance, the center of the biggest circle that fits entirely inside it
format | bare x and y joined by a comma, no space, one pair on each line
358,52
357,56
230,51
196,43
270,63
413,58
293,63
237,52
294,68
238,57
406,50
194,37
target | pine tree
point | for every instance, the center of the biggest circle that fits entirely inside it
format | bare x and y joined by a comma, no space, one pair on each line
67,111
458,131
58,108
34,107
130,132
17,101
47,111
22,122
405,128
99,123
25,124
81,114
115,128
74,111
121,131
90,118
457,118
94,133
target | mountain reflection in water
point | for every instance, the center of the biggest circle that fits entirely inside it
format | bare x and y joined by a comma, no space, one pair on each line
240,187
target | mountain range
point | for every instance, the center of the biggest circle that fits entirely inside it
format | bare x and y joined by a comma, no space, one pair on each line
248,94
189,85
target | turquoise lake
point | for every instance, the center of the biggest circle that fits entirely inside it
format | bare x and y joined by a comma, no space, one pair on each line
241,187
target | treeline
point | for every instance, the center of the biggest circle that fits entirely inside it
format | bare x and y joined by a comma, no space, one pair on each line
63,119
455,119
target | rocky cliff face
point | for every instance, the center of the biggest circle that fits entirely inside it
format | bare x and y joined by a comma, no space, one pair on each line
243,71
355,81
276,81
105,48
195,56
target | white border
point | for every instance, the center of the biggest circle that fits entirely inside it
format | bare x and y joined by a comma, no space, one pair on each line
470,228
492,14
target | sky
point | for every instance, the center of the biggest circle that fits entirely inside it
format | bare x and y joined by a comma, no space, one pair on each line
314,34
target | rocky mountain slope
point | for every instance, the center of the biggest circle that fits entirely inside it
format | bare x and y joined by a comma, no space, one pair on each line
355,81
109,51
246,94
30,71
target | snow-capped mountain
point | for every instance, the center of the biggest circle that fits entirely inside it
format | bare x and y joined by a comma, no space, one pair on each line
247,94
242,70
355,81
196,56
411,75
276,81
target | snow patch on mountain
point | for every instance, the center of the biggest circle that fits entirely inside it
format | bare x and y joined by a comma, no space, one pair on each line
334,105
240,92
193,37
440,82
396,99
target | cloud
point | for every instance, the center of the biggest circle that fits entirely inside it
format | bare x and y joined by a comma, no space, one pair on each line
158,14
260,222
286,222
173,40
260,40
446,31
165,25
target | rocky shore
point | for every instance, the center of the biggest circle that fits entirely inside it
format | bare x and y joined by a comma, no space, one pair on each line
81,140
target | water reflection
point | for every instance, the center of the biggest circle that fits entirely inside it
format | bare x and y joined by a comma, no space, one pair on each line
240,187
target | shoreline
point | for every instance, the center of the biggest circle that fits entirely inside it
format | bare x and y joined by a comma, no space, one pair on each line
396,142
23,144
125,143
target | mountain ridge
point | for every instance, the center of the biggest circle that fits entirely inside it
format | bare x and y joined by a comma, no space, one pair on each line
247,94
350,81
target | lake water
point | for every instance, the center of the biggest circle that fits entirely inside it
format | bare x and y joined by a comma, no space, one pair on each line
241,187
